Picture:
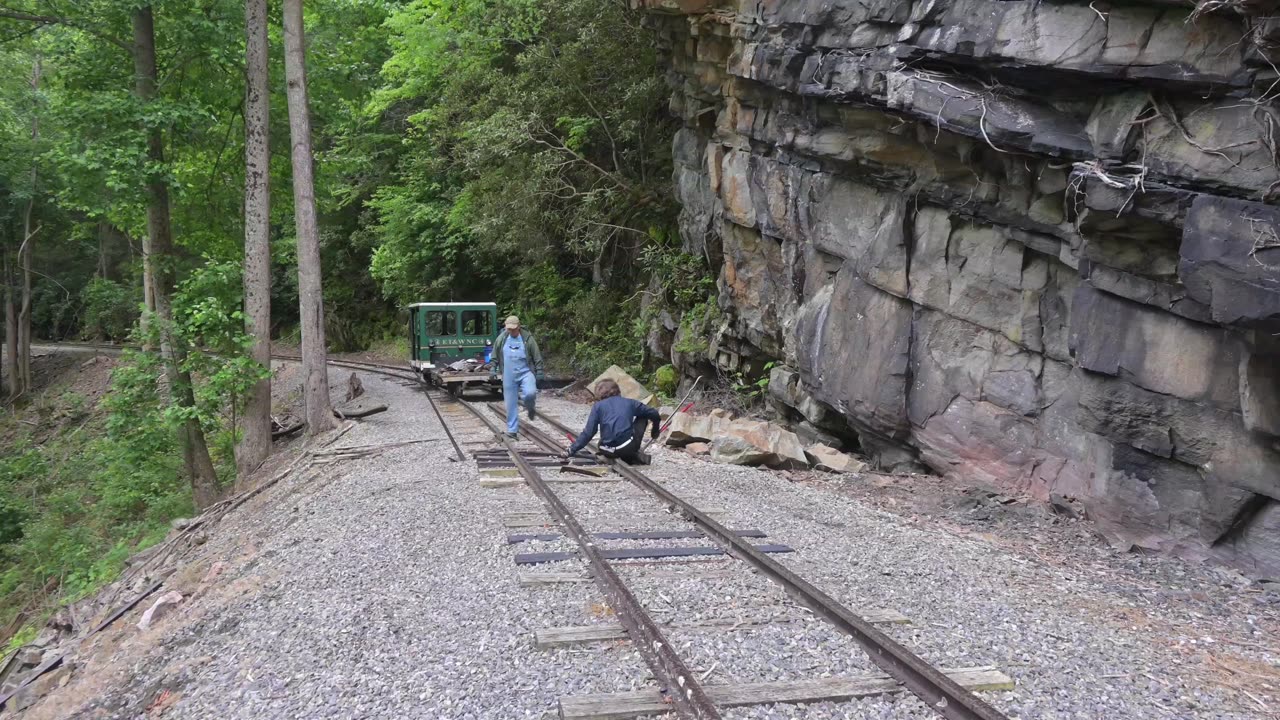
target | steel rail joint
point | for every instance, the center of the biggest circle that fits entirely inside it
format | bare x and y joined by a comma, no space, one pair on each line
944,695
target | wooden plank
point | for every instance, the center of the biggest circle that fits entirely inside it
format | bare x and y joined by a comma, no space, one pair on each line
517,520
580,479
561,636
648,535
639,553
498,483
596,470
627,705
536,579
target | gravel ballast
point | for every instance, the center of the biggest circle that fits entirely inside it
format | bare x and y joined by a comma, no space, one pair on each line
384,587
1088,633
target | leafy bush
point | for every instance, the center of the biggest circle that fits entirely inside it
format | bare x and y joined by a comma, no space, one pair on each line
665,380
110,310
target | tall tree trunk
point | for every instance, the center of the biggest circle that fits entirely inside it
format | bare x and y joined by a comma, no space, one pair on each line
199,466
104,229
22,353
310,298
255,445
28,242
10,329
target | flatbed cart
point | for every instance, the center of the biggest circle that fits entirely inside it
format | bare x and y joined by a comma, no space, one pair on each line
457,382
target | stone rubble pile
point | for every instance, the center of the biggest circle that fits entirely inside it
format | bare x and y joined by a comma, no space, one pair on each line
744,441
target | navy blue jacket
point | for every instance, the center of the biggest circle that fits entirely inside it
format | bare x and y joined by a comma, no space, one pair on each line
613,417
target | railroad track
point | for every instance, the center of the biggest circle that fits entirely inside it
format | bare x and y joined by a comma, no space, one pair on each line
949,693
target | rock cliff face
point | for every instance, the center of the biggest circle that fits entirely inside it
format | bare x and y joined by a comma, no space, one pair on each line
1024,243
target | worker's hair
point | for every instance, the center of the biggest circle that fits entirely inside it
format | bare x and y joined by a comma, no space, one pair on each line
607,388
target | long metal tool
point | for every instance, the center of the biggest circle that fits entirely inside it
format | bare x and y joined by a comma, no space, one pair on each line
687,697
679,409
940,692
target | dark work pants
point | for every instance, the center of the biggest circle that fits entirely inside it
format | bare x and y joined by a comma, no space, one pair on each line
630,451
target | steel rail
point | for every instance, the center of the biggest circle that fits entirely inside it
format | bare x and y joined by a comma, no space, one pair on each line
944,695
426,390
680,686
381,368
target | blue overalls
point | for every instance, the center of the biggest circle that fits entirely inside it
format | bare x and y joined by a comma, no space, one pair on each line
517,376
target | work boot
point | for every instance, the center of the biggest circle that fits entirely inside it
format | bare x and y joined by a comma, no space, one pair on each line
643,458
533,414
513,436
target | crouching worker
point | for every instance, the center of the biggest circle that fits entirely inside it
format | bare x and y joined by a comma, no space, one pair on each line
621,423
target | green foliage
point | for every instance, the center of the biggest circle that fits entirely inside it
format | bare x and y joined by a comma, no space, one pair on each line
20,638
751,389
110,310
77,505
665,380
696,325
682,280
580,328
527,153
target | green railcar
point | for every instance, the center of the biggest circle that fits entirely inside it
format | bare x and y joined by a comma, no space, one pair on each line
441,334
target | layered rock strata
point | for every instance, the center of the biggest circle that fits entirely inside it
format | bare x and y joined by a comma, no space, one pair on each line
1026,244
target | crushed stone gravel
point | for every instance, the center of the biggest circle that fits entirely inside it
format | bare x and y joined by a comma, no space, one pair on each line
384,587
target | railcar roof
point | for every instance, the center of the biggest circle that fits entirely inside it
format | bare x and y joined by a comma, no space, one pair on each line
455,304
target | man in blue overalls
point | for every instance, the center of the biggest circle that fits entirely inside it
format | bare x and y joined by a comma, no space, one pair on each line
519,361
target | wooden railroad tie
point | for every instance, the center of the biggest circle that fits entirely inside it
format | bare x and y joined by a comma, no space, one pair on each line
538,519
646,535
604,632
639,553
627,705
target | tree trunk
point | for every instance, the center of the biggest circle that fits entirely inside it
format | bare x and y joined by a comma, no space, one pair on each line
319,410
255,445
22,353
199,466
10,329
25,250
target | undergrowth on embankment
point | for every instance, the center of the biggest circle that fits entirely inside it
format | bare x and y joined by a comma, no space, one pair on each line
83,485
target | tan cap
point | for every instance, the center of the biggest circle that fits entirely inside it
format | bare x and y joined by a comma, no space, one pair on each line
513,322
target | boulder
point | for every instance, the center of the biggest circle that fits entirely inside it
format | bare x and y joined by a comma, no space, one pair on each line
828,459
735,450
30,656
787,449
698,448
689,428
159,609
41,686
811,434
773,445
630,387
48,636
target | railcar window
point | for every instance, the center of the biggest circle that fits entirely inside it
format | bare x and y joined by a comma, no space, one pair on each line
476,322
441,322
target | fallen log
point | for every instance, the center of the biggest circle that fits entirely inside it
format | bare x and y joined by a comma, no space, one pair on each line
360,413
284,432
